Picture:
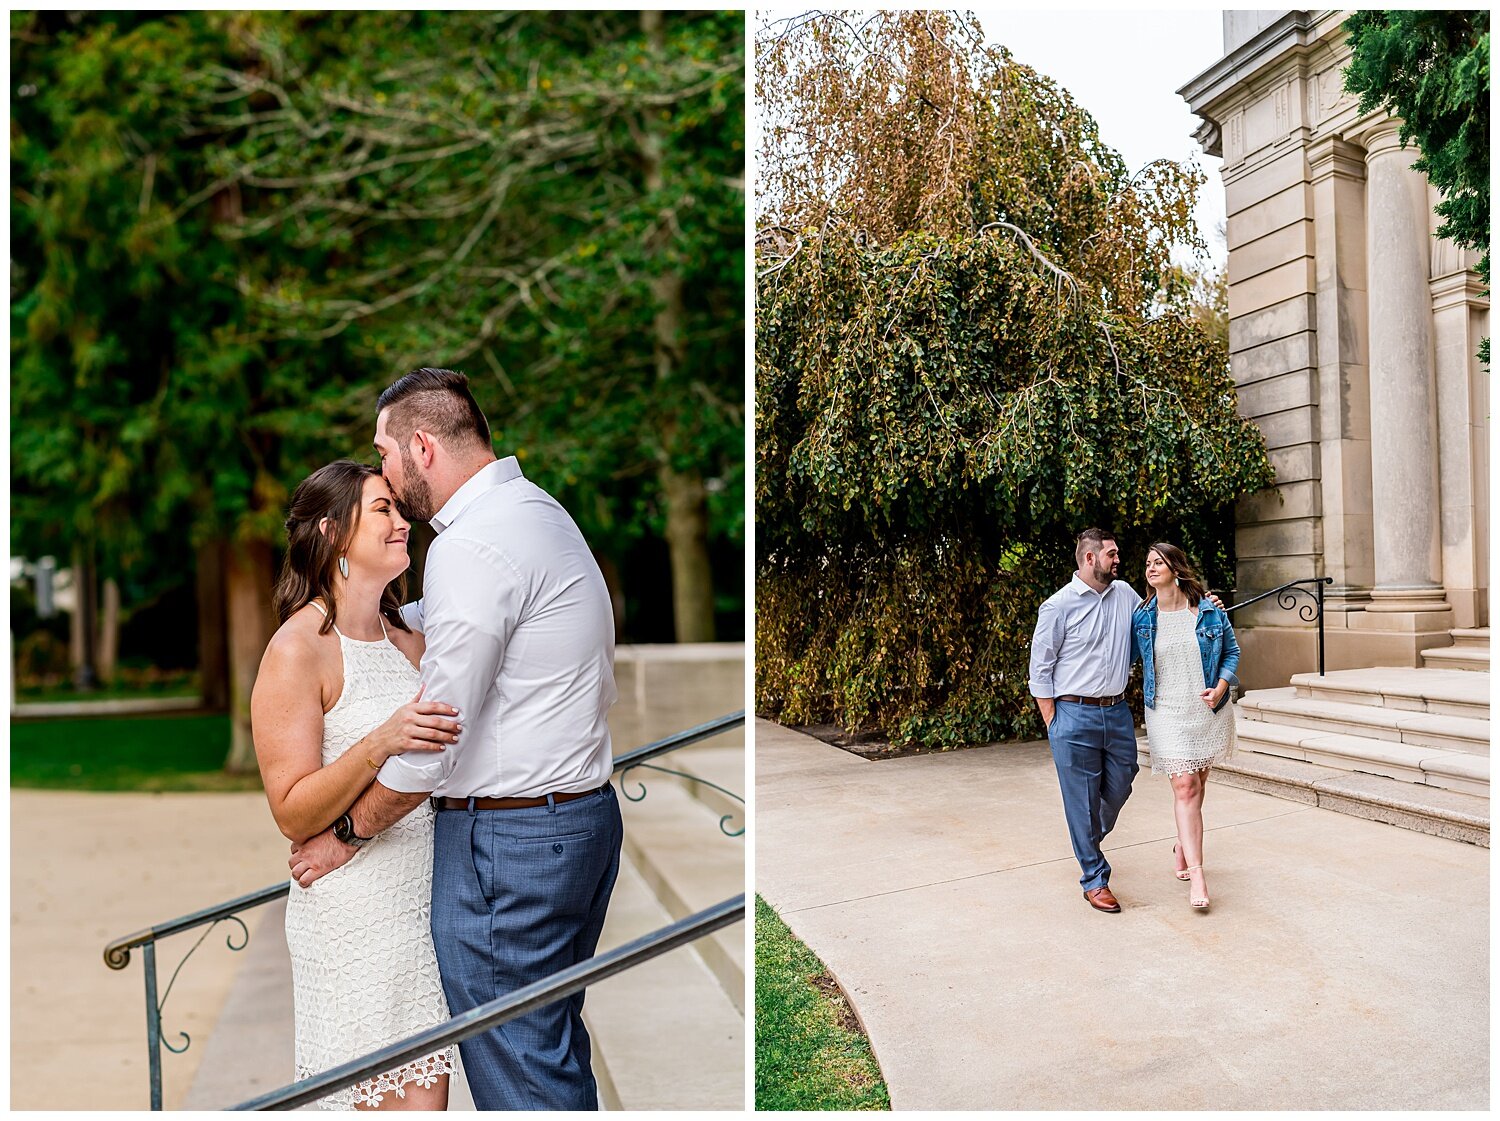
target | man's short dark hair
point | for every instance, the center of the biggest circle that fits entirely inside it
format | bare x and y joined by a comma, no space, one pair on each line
1090,541
437,401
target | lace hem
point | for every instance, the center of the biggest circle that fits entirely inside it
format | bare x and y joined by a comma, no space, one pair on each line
421,1072
1173,767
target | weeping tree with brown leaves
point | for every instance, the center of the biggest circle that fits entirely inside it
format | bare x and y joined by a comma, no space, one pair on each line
971,342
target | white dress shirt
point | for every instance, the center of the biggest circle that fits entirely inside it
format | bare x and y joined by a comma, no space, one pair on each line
1081,645
520,639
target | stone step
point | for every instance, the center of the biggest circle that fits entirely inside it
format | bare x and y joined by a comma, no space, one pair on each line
1444,692
676,843
1424,809
1457,657
666,1035
1471,636
1418,729
1449,770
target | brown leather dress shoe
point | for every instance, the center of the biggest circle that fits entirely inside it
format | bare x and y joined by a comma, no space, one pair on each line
1102,899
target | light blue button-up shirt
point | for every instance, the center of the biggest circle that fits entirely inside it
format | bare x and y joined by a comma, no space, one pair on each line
1081,645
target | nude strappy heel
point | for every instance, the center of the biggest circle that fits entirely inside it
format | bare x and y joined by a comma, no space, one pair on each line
1199,904
1181,874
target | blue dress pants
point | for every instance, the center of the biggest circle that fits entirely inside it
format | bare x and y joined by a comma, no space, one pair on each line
1093,749
516,896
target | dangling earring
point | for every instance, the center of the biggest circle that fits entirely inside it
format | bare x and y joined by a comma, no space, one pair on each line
344,567
1176,580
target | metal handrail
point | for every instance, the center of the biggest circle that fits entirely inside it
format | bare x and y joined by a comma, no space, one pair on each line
117,952
496,1012
1286,599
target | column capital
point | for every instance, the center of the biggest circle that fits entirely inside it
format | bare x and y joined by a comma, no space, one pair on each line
1333,155
1380,137
1462,288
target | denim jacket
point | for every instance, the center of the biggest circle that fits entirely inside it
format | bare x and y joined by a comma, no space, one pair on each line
1216,644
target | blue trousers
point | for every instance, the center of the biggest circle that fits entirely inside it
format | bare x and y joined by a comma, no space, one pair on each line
516,896
1093,749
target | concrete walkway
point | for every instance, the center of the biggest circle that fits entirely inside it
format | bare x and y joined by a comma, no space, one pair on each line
1344,964
90,867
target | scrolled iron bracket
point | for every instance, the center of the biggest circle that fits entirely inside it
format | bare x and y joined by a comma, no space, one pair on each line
1286,599
229,940
723,820
1307,612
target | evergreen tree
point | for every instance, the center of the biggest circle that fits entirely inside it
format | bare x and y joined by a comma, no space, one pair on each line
1431,69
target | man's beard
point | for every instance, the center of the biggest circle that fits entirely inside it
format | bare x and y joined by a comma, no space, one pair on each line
1104,574
415,499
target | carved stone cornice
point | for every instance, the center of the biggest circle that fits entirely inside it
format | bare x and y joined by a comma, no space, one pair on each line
1285,63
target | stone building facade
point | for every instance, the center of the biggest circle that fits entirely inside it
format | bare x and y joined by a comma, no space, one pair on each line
1353,332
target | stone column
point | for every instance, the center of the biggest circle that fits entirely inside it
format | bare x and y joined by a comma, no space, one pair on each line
1337,174
1403,400
1459,320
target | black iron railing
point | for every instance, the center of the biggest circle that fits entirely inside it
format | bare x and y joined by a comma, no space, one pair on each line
1286,599
117,953
496,1012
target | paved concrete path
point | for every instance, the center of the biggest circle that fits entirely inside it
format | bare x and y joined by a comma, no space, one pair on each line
1344,964
90,867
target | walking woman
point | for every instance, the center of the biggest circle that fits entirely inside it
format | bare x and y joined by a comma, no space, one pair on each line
1189,657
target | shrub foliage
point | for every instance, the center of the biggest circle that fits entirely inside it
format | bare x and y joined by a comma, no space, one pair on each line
970,344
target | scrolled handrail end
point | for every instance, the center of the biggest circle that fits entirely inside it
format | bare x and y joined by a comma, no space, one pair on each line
116,957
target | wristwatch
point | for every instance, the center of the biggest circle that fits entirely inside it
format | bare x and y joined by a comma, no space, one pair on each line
343,829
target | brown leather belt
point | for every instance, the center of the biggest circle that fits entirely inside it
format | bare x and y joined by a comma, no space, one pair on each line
511,803
1102,702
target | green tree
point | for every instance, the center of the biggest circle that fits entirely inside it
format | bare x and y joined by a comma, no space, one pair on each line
114,303
230,230
971,342
1431,69
552,202
145,408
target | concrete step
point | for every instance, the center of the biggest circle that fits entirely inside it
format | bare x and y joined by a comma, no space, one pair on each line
1444,692
1418,729
1457,657
675,842
666,1035
1471,636
1424,809
1449,770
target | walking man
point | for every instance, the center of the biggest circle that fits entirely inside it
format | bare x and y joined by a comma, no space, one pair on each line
1080,665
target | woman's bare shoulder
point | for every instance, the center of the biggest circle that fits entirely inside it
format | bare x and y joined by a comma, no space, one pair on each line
297,645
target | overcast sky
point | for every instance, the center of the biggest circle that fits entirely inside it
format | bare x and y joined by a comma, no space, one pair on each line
1124,68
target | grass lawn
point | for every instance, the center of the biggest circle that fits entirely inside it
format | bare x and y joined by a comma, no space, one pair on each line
124,753
111,693
809,1050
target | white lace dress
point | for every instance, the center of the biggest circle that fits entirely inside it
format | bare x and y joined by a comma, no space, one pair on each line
364,973
1184,734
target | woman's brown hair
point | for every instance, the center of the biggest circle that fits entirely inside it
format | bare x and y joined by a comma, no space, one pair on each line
1187,577
335,492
